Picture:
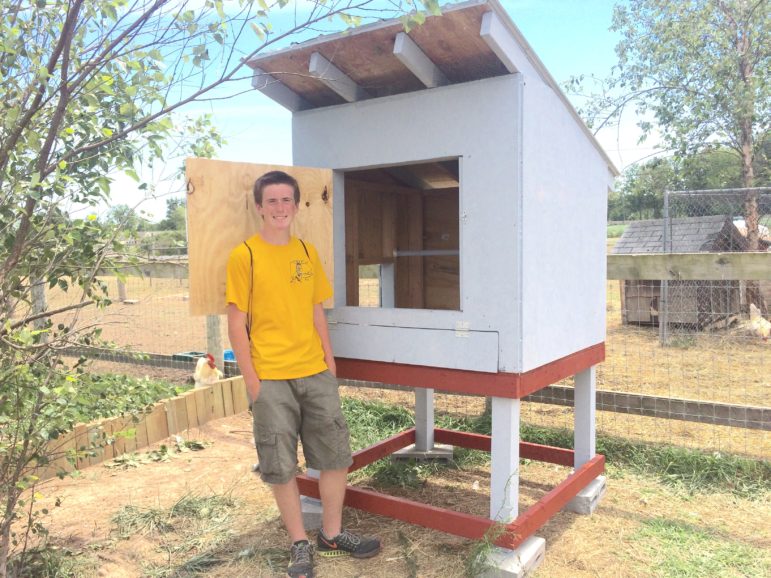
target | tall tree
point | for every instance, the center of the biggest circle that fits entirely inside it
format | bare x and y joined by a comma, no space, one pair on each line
175,215
701,68
128,218
641,189
89,88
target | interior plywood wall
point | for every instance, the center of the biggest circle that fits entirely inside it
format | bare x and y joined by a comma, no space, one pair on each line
381,218
221,214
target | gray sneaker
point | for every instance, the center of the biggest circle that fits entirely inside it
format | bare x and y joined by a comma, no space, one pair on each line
300,560
347,544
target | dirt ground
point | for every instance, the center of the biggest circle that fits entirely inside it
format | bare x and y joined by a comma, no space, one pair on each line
606,543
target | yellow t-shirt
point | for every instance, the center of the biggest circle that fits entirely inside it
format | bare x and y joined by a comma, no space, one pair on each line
287,283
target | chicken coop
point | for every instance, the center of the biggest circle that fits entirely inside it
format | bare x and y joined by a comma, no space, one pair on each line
455,164
694,305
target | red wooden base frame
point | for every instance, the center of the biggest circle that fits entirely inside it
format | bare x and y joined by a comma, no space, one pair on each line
474,527
509,385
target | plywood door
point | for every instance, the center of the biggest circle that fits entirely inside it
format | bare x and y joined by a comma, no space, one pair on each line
221,214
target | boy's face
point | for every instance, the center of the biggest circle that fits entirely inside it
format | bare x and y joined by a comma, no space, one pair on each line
278,208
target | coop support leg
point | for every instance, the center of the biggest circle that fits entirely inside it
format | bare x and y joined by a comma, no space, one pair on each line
424,419
504,454
424,447
504,495
311,507
585,440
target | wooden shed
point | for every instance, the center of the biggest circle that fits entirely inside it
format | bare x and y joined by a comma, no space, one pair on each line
692,304
457,165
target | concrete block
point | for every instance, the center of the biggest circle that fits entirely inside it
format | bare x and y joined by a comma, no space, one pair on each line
441,452
503,563
587,500
311,510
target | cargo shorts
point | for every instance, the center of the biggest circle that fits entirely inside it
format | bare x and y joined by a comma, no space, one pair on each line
308,408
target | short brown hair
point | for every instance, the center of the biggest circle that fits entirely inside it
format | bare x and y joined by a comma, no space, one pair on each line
275,178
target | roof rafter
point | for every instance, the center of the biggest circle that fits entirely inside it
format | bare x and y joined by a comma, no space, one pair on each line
335,79
494,32
411,55
273,88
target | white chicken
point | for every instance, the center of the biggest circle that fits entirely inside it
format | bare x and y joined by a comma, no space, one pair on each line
758,325
206,372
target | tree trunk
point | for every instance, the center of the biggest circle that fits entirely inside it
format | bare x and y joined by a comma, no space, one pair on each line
751,214
5,532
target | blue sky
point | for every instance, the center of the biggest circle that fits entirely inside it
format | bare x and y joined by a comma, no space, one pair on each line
571,37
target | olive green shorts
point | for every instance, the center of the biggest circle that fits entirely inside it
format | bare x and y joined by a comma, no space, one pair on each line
308,408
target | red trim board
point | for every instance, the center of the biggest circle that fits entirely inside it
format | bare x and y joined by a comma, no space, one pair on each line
510,385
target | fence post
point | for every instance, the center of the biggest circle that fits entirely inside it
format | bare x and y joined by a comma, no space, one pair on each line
39,303
664,301
214,339
121,291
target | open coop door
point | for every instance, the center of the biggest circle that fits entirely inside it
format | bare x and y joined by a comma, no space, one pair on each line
221,214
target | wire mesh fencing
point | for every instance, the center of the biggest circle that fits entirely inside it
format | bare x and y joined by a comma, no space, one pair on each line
684,363
716,222
692,348
149,325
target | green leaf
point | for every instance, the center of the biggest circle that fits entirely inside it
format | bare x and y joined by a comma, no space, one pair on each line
258,30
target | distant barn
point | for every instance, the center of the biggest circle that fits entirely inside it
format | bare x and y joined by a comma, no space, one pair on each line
692,304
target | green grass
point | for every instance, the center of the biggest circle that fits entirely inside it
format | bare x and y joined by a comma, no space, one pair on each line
107,395
681,550
685,469
369,271
370,422
615,231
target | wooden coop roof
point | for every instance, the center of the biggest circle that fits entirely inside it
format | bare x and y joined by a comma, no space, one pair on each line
469,41
687,235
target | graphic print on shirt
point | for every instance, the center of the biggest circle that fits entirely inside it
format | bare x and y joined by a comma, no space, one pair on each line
300,270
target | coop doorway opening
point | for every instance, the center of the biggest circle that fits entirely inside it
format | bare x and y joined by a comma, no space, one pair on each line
402,236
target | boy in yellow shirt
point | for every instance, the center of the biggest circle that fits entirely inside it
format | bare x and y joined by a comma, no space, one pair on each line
279,335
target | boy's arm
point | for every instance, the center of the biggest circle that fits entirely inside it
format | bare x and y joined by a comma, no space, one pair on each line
320,323
239,341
